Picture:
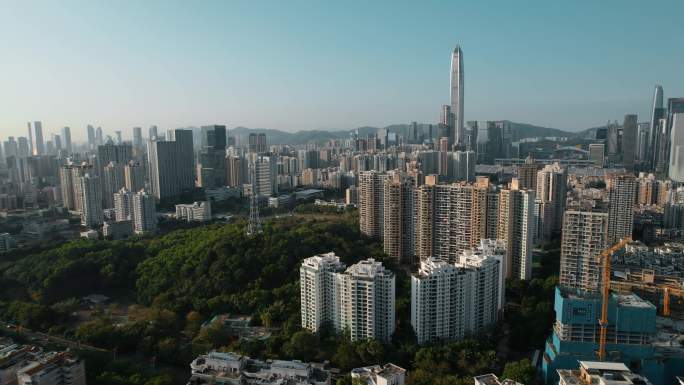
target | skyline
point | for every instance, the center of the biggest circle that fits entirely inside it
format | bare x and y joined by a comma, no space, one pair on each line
260,65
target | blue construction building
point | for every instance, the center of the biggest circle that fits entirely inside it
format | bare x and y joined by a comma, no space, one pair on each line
636,336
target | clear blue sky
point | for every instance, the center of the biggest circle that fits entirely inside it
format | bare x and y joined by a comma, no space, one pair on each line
331,64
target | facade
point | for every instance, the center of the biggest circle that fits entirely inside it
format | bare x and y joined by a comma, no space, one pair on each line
657,113
317,288
622,191
144,213
194,212
91,200
449,301
171,165
6,242
35,132
597,153
113,179
584,237
371,205
123,205
517,227
398,217
629,141
117,230
134,176
551,191
676,168
359,300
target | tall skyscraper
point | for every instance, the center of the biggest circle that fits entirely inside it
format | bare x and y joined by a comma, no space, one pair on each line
91,199
212,157
527,174
112,181
551,191
371,205
676,168
398,221
457,95
629,141
517,227
171,165
622,189
99,141
90,131
134,176
137,138
657,113
584,237
144,213
123,205
35,132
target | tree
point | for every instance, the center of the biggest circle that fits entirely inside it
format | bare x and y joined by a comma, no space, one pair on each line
302,345
521,371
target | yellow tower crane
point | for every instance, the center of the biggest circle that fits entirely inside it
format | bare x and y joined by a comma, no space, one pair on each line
606,254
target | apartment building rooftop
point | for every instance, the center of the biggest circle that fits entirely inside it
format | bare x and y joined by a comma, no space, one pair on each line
492,379
601,373
376,374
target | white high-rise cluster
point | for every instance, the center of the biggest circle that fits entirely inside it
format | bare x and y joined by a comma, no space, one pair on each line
449,300
359,300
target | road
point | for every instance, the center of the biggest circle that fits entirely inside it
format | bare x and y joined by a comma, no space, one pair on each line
36,336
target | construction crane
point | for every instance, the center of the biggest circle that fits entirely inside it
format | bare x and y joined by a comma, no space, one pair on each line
651,285
603,322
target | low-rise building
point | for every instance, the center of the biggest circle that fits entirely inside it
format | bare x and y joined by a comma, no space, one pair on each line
492,379
117,230
233,369
388,374
6,242
194,212
601,373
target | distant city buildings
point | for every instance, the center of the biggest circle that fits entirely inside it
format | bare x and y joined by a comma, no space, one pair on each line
194,212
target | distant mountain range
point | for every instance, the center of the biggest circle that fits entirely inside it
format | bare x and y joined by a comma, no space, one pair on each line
520,131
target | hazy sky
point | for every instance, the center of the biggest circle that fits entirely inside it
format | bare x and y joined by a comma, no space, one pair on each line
331,64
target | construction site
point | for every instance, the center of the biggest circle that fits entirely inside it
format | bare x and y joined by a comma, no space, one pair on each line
637,318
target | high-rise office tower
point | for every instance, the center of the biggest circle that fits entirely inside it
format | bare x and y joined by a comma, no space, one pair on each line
444,157
315,277
527,174
457,96
35,132
113,179
123,205
23,148
413,133
119,138
265,172
597,153
371,205
643,132
629,141
622,189
584,237
517,227
445,129
137,138
236,170
449,301
134,176
57,142
144,213
99,141
551,191
674,106
463,165
613,143
152,132
676,168
212,157
10,146
91,200
90,131
261,143
657,113
171,165
398,221
118,154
